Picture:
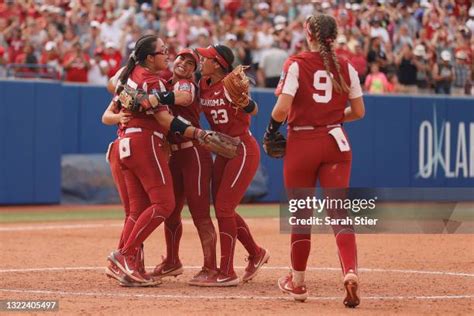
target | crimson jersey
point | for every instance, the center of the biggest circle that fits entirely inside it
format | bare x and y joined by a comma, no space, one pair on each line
219,112
315,102
148,81
77,71
188,114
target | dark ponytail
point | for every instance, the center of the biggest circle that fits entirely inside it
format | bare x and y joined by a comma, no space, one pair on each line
144,46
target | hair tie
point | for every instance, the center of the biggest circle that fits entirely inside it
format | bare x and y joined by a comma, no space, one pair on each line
329,40
133,56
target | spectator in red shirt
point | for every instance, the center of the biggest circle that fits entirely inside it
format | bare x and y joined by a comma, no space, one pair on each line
76,64
51,58
15,44
460,7
113,57
233,6
3,62
359,61
344,20
27,57
393,85
438,25
341,48
463,37
432,21
10,9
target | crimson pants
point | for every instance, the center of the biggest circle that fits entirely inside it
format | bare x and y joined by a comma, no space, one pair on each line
119,180
312,156
191,169
149,186
230,180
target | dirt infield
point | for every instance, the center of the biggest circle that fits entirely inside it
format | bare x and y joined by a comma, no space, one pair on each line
400,274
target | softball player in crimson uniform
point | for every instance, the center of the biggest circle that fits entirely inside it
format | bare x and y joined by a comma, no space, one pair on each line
313,93
143,158
191,168
115,116
230,177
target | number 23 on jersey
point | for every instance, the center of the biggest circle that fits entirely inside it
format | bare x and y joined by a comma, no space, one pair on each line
220,116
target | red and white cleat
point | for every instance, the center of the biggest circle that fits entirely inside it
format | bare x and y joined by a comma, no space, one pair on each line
255,263
299,293
351,284
221,280
227,279
149,282
127,264
204,277
166,269
113,272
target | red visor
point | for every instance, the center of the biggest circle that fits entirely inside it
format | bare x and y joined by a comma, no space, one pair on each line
211,52
190,52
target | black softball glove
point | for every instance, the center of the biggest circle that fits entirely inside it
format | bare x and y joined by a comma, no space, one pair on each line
274,144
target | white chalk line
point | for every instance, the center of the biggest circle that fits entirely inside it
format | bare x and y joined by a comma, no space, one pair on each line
226,297
65,269
229,297
242,297
49,227
68,226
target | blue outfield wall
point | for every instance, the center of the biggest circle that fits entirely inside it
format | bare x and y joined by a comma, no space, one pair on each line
30,142
403,141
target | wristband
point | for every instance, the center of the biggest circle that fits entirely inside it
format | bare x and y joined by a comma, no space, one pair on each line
273,126
250,107
178,127
165,97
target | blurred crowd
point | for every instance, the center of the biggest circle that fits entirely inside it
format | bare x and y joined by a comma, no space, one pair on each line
396,46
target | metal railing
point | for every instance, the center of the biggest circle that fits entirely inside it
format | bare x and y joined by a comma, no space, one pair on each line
33,71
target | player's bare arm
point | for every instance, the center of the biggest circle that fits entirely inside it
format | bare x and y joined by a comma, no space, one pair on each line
355,111
112,118
183,98
282,107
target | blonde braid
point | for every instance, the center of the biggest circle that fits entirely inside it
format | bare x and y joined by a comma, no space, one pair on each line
325,38
344,85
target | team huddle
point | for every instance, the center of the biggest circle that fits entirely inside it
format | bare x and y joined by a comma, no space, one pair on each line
162,158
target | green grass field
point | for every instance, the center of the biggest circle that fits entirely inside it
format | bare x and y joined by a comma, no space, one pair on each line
114,212
461,211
